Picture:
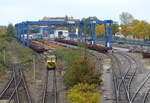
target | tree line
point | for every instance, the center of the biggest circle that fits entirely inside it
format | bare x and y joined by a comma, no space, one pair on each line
139,29
129,26
7,34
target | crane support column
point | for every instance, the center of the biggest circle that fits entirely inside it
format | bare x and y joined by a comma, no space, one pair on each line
71,30
93,32
80,32
108,35
27,31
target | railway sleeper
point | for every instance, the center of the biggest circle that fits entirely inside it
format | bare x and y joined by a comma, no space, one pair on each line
7,95
127,77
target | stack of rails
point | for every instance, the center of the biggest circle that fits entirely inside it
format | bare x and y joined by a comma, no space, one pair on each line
90,46
146,54
37,46
50,44
98,48
41,46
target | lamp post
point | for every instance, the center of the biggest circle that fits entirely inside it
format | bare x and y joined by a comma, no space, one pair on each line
4,54
33,56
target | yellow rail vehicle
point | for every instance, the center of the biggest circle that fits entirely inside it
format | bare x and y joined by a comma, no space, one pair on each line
51,62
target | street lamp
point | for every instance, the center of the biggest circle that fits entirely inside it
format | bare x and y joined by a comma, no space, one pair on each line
33,55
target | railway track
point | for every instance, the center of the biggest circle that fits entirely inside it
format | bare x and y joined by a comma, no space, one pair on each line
118,79
50,88
124,75
125,79
16,90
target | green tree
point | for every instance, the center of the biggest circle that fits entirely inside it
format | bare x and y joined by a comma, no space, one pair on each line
115,28
66,18
10,30
91,18
87,27
140,29
126,30
10,34
100,29
126,18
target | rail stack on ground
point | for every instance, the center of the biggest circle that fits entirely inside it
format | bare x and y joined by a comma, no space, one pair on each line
37,46
146,54
41,45
90,46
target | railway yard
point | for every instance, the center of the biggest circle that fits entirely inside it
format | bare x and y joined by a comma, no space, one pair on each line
72,70
81,51
126,77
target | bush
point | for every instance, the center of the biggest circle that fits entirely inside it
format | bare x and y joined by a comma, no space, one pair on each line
82,71
78,68
23,53
84,93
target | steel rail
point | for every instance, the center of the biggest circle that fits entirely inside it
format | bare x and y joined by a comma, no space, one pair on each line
133,74
55,86
17,78
140,87
45,88
122,78
17,95
21,80
127,89
25,86
44,99
10,98
8,85
115,82
145,97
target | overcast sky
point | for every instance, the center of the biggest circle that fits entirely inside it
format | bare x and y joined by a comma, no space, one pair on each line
14,11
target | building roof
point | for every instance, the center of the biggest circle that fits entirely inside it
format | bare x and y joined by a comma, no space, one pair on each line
58,19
